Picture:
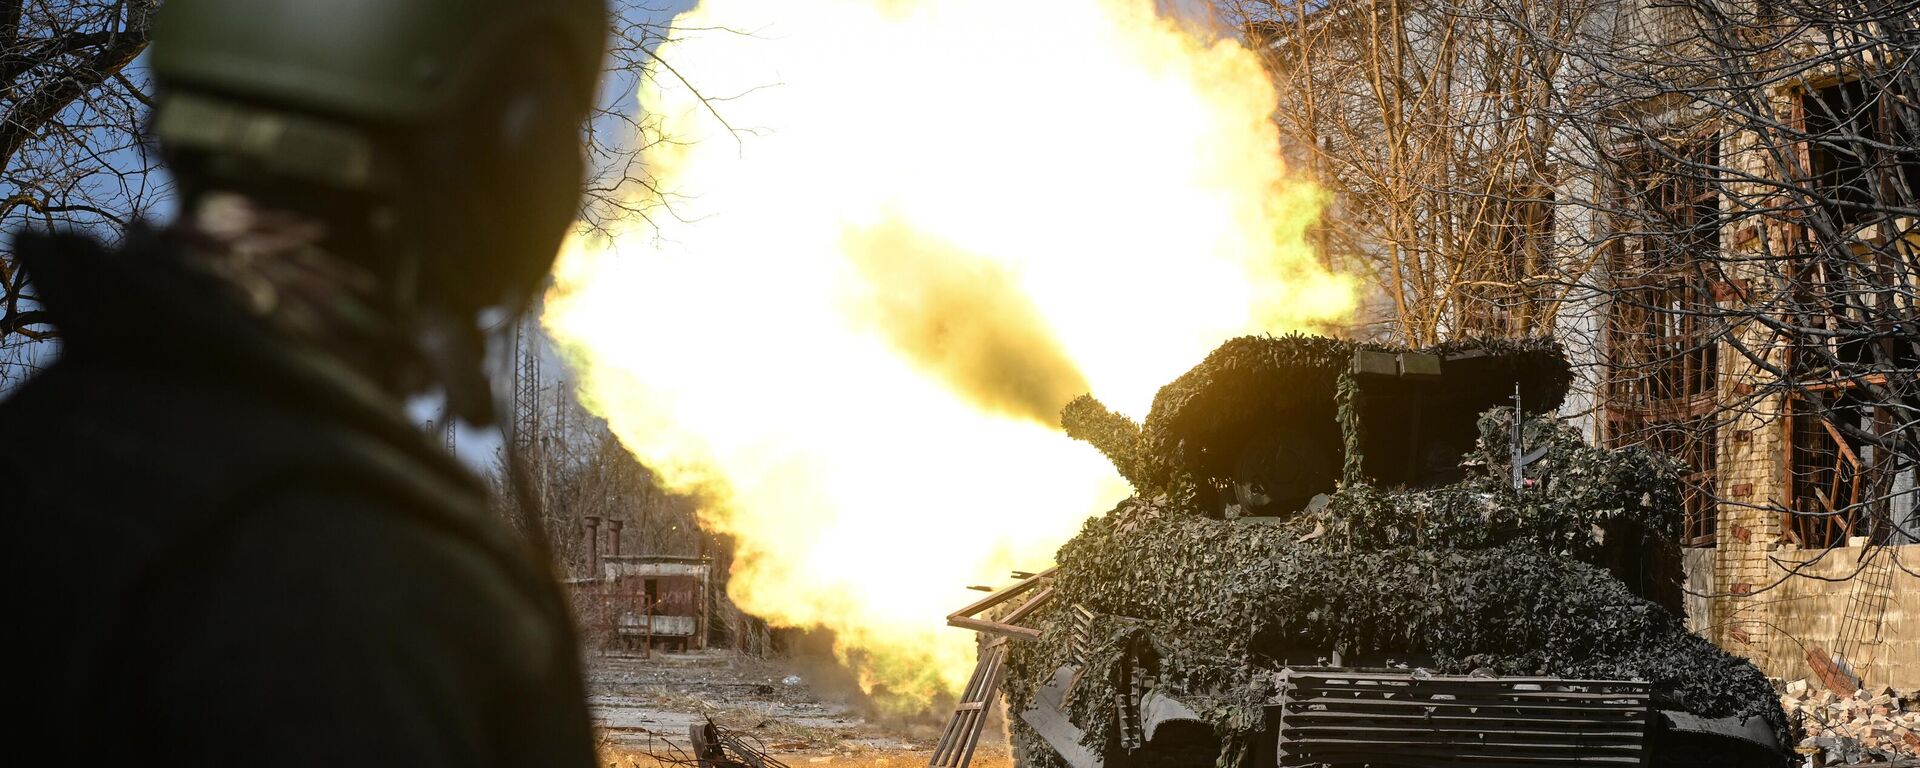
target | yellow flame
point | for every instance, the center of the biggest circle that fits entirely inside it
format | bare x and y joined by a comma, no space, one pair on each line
922,227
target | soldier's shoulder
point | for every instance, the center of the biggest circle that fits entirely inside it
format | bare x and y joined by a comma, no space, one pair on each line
371,544
30,244
343,579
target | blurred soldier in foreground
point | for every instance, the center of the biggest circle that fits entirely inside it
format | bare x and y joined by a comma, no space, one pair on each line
229,545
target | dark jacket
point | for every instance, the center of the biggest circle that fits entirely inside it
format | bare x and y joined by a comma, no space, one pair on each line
227,549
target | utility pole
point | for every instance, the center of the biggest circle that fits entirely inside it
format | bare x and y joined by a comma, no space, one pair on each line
526,387
524,439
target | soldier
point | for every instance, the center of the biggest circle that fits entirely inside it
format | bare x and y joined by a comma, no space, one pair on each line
228,544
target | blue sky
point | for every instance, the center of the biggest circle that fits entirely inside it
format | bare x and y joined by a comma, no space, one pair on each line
127,179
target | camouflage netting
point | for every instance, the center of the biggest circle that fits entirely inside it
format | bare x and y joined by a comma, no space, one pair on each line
1252,381
1471,576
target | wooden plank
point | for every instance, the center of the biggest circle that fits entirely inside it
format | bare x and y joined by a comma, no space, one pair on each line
1349,756
1039,599
1463,746
993,627
1465,694
1613,731
1840,443
1463,684
1376,689
1441,761
1417,731
1322,673
956,745
1002,596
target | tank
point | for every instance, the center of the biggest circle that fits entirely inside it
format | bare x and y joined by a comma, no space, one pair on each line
1343,554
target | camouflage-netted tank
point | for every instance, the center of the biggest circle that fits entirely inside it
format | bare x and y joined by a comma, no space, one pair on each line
1331,560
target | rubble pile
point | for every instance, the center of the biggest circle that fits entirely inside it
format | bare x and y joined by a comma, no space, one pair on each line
1864,727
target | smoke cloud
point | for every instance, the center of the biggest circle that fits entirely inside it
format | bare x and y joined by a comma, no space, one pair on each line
964,320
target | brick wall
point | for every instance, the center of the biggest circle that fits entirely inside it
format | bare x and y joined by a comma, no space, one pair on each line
1764,598
1773,602
1804,604
1751,488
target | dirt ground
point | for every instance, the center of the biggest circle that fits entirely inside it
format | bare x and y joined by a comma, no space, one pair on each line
642,709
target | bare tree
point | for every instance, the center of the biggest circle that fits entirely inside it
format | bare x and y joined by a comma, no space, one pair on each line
620,186
1761,162
1433,128
579,470
70,148
1721,191
72,154
587,485
1732,201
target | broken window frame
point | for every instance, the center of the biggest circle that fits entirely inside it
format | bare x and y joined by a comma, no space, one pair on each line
1829,506
1660,384
1827,171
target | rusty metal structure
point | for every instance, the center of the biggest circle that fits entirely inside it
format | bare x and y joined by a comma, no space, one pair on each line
709,745
657,600
636,603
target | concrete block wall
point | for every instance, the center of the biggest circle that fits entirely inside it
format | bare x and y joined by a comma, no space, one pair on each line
1809,611
1772,602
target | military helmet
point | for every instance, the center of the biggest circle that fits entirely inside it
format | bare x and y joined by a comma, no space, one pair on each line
455,124
371,61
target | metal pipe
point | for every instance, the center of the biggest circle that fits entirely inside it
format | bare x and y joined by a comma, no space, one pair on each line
593,545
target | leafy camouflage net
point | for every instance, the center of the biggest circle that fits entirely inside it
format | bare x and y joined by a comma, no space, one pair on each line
1249,382
1086,419
1472,576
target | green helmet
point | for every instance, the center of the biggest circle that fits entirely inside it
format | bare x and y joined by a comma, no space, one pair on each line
448,131
392,62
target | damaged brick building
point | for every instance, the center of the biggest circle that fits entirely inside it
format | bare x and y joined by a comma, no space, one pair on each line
1715,207
1757,304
